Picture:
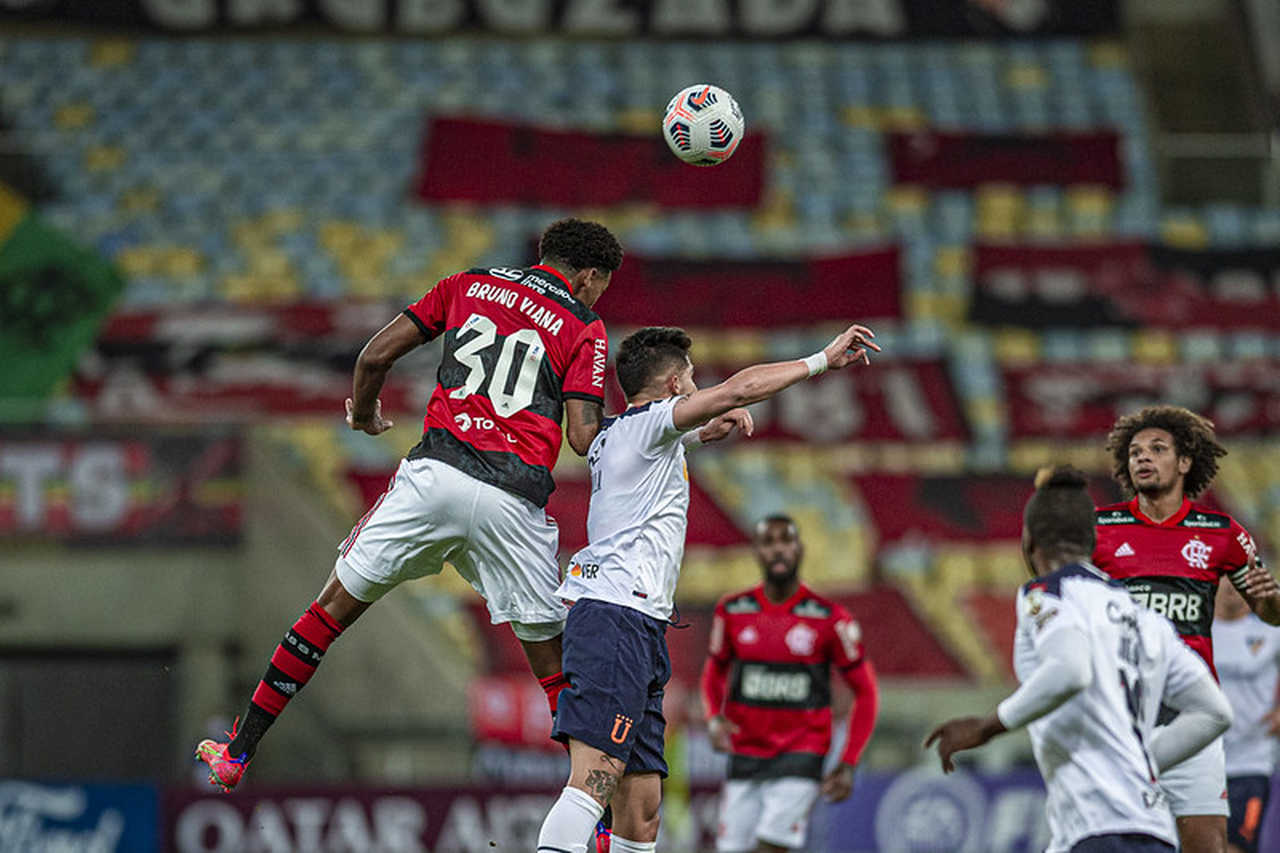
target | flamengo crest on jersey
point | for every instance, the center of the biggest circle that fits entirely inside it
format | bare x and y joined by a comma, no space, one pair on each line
1093,750
516,345
1173,567
779,690
638,515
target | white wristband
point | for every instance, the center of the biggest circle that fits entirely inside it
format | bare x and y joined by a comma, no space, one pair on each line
817,363
692,439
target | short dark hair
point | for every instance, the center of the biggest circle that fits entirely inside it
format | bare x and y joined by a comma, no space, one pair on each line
776,518
648,353
1060,515
1193,437
579,245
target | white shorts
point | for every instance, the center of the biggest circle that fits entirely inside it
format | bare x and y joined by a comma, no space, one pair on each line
501,544
1198,786
772,810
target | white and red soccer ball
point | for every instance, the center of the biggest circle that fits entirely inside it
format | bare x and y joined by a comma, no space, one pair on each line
703,125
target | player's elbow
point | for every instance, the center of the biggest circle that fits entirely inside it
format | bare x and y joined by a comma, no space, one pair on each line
375,357
580,438
1219,713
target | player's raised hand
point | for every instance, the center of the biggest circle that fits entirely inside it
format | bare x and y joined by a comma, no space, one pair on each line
374,425
720,728
960,734
852,345
724,425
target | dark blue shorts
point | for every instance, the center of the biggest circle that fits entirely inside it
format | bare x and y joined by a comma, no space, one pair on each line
1122,843
1248,796
616,661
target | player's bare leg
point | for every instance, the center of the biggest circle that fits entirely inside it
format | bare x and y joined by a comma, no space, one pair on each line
543,656
593,781
291,667
635,809
1202,834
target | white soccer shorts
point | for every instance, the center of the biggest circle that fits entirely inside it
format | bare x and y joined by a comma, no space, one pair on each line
1198,786
501,544
772,810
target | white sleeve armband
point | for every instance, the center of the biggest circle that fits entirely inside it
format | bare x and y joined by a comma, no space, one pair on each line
692,439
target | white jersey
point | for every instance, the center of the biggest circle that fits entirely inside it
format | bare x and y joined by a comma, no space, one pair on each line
1093,751
1246,653
639,513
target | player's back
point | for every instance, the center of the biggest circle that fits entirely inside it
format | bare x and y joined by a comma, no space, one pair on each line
516,345
1094,750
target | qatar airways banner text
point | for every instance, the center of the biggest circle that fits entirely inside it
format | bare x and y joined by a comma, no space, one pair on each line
490,162
1126,285
1241,397
672,18
765,294
161,488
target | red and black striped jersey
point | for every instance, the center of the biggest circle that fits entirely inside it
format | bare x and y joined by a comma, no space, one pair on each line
516,345
1173,566
778,658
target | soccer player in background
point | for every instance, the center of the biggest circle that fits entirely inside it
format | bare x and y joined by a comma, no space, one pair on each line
1094,668
1247,653
623,582
1171,554
766,688
522,351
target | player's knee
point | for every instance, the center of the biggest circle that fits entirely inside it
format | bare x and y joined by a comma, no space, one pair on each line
640,825
537,632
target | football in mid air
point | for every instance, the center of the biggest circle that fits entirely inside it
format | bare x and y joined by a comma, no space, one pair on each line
703,125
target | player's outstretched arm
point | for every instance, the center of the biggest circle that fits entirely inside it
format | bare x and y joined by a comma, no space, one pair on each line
762,381
364,411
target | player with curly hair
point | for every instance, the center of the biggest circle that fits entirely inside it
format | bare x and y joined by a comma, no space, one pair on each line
1171,553
522,351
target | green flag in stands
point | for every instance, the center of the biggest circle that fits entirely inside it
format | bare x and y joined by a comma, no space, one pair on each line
54,295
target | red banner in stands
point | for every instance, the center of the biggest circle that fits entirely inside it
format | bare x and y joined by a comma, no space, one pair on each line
497,162
959,160
864,286
909,401
1083,400
976,509
158,489
1126,284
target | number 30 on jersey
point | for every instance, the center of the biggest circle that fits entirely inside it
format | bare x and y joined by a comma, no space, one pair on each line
516,372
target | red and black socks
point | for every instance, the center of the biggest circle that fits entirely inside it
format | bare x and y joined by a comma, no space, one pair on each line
291,667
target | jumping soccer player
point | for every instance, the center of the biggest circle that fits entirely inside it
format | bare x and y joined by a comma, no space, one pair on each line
522,349
1094,668
623,582
1246,652
1171,554
766,688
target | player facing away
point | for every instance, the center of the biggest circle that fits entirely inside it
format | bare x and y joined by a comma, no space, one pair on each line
1246,651
522,350
623,582
1171,554
766,688
1094,667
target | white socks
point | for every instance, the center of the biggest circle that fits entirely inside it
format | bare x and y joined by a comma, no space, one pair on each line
571,823
622,845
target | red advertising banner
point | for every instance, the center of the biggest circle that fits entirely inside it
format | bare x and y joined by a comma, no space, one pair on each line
960,160
1126,284
863,286
492,162
1083,401
159,489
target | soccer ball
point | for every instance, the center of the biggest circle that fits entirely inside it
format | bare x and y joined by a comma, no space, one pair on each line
703,125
